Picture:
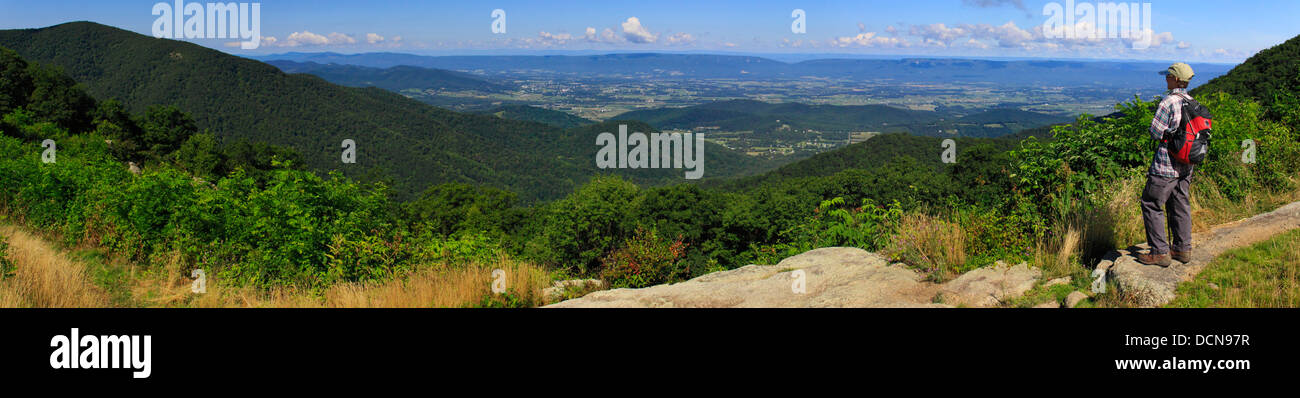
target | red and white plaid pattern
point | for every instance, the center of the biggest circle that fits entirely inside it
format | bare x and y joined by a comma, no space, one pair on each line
1166,121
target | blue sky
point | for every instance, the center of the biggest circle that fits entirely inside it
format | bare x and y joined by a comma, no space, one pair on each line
1193,30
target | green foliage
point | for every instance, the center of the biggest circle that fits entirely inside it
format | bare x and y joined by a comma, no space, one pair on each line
165,128
447,208
582,227
200,155
837,224
645,259
7,266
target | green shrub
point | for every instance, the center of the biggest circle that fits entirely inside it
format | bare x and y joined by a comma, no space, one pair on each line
645,259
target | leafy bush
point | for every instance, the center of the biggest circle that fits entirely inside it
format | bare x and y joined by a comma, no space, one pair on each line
7,266
645,259
582,227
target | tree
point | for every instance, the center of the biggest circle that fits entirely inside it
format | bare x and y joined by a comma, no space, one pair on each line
165,128
200,156
15,82
56,98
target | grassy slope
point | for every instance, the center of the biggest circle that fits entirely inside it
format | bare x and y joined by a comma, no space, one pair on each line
1264,275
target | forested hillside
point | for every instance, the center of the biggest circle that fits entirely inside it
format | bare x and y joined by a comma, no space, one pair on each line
536,114
399,140
1269,73
396,78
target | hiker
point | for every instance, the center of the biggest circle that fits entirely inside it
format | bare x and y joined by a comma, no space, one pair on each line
1168,182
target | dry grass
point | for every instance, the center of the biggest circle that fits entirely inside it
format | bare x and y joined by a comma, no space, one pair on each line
936,245
1210,207
442,287
45,277
435,286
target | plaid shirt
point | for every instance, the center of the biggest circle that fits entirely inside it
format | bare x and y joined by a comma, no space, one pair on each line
1167,121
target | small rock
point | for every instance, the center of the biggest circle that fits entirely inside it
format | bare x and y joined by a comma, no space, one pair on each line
1074,298
991,286
1214,286
556,291
1049,304
1065,280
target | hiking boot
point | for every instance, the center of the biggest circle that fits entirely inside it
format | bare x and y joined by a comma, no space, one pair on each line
1182,257
1154,259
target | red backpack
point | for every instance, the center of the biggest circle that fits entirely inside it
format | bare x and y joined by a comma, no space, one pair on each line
1192,141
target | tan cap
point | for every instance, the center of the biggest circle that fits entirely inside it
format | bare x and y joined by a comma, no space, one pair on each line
1181,71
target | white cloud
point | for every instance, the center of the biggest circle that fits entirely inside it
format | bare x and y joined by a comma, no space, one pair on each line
1007,35
634,32
605,36
680,38
1182,45
972,43
339,38
869,39
548,39
307,38
939,32
373,38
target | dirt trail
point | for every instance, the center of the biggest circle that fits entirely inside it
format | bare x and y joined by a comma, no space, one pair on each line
1151,285
45,277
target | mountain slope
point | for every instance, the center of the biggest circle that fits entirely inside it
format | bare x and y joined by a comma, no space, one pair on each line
1269,71
237,98
396,78
536,114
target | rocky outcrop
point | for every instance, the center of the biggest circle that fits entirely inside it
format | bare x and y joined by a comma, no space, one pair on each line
991,286
1153,285
828,277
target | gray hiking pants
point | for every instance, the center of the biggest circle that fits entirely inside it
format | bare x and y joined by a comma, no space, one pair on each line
1172,193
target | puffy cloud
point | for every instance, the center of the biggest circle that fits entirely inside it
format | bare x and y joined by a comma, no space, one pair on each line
634,32
972,43
1007,35
307,38
680,38
605,36
373,38
1182,45
869,39
939,32
548,39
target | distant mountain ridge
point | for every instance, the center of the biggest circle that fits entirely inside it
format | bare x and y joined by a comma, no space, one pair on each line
395,78
677,66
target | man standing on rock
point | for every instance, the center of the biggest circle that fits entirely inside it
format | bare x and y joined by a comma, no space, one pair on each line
1168,182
